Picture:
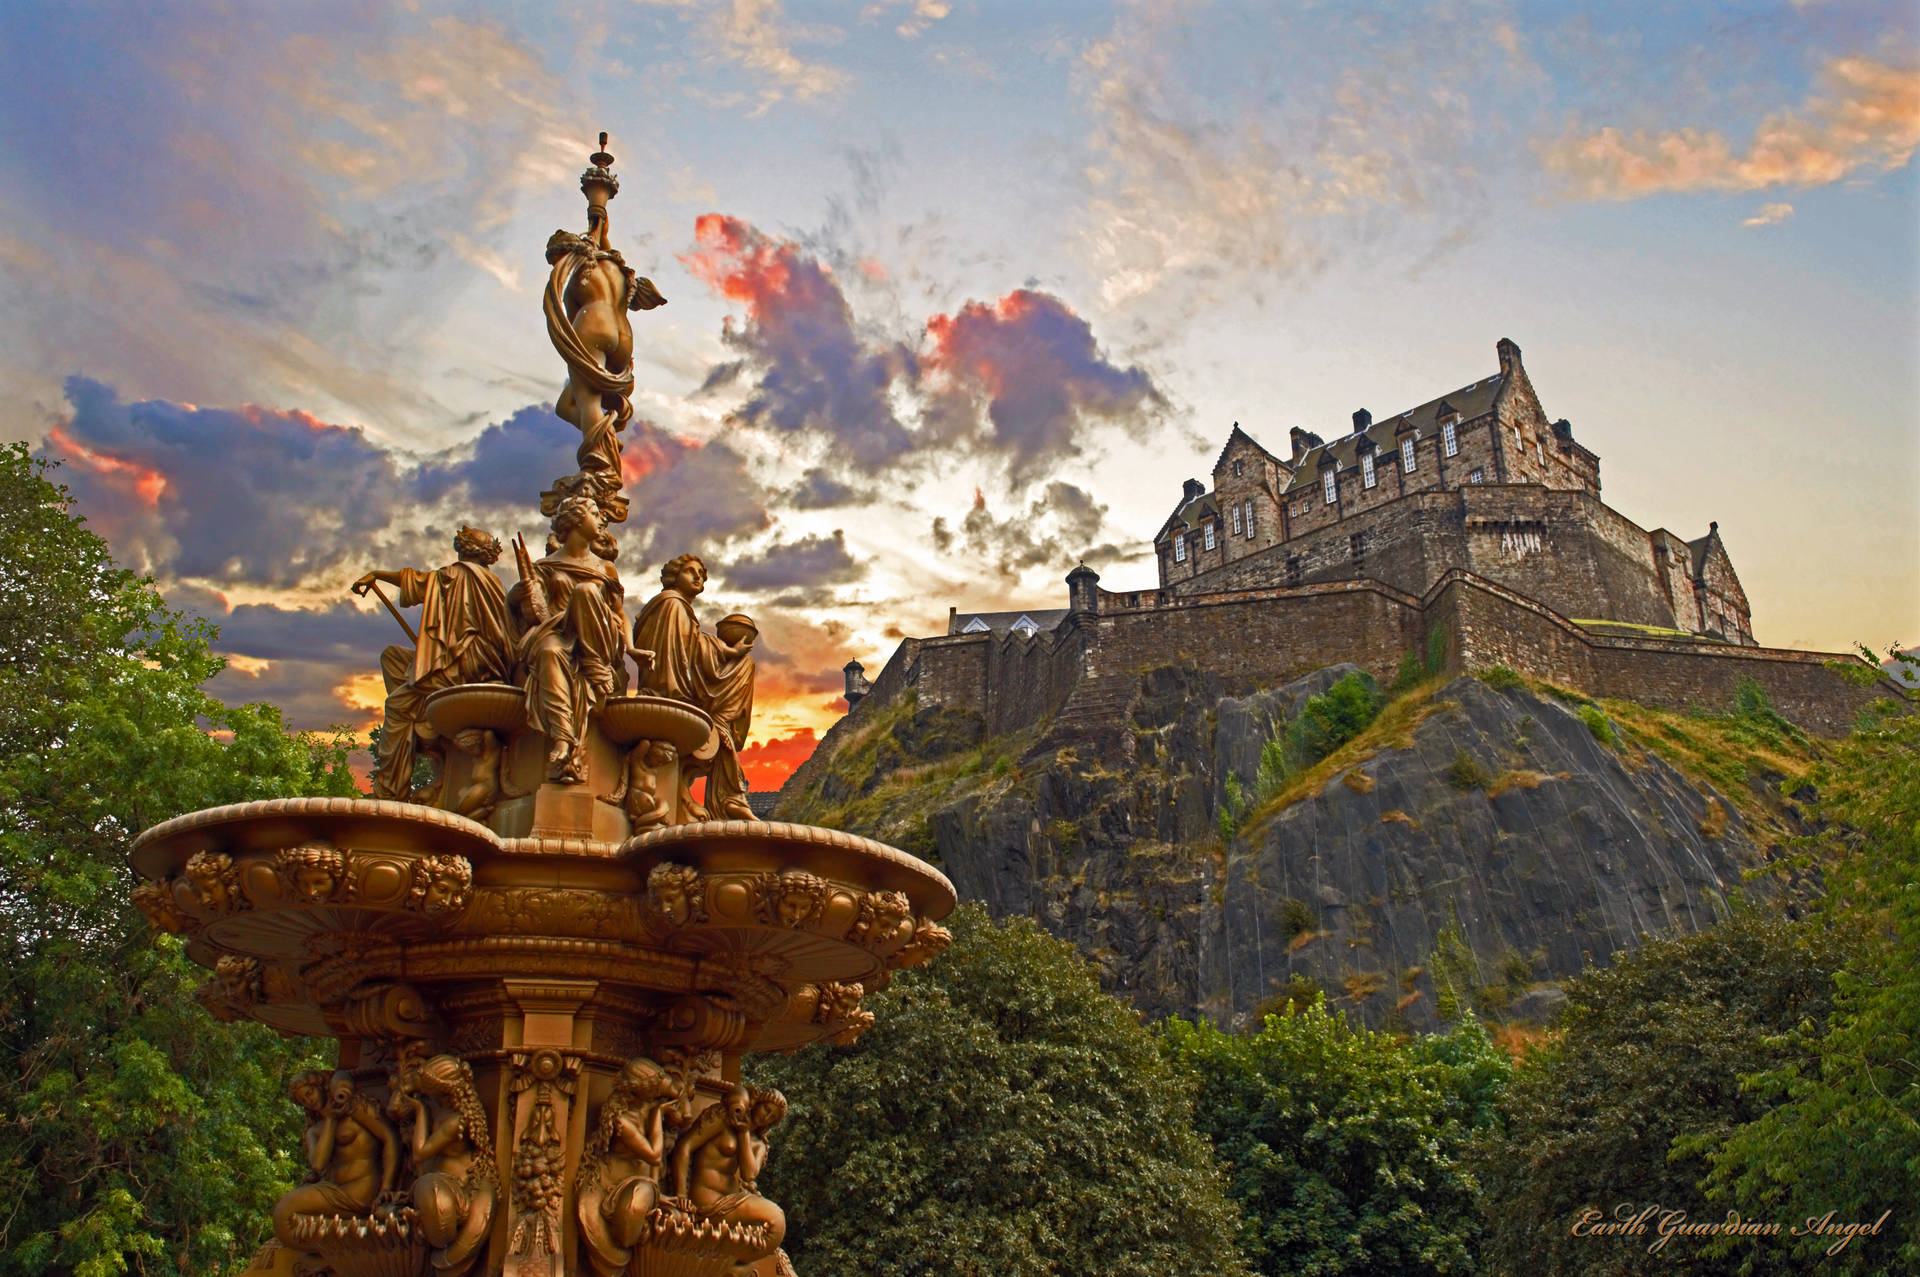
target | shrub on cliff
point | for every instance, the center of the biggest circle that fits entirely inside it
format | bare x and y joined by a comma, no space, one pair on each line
1344,1145
1331,719
1002,1118
1644,1082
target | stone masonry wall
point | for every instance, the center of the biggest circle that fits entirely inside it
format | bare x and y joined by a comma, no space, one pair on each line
1490,625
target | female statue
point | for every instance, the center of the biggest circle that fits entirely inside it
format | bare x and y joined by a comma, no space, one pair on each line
714,672
717,1163
619,1183
589,292
453,1193
575,653
349,1146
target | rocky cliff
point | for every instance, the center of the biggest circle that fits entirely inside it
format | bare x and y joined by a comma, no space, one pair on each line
1480,839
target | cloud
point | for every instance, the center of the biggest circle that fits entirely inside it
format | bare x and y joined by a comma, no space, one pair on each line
281,500
1021,379
923,14
818,490
1867,117
1035,367
244,495
1058,529
1197,188
272,169
694,498
811,561
1770,215
769,763
811,372
751,34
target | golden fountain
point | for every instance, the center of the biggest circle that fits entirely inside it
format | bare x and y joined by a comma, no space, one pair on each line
544,965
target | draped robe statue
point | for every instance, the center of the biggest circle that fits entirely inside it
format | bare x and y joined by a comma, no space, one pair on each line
712,672
574,658
464,638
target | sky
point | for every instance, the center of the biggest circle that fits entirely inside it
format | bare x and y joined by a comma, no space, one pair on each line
959,292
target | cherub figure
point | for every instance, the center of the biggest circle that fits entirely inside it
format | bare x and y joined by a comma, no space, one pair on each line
639,793
478,796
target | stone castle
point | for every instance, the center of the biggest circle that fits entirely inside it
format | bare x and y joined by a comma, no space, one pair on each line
1470,527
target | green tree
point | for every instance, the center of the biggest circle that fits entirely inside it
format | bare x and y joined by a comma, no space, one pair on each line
1841,1126
1002,1118
1344,1145
135,1133
1651,1051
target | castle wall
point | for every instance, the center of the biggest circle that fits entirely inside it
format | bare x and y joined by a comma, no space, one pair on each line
1259,636
1490,625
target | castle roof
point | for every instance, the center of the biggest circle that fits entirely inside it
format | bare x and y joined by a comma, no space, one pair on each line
1190,512
1469,401
1238,433
1041,619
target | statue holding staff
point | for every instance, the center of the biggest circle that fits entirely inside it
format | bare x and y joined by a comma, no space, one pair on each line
464,638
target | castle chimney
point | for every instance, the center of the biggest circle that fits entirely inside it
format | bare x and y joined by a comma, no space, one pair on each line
1083,591
1194,488
857,684
1361,420
1303,440
1509,354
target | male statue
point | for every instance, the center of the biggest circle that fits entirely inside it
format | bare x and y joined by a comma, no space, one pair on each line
464,637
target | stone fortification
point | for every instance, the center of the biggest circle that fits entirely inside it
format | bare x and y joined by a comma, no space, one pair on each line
1470,526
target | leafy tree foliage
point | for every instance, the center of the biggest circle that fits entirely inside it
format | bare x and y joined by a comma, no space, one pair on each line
134,1132
1652,1051
1003,1117
1842,1132
1344,1145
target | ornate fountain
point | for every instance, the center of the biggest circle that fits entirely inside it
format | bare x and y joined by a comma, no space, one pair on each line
543,958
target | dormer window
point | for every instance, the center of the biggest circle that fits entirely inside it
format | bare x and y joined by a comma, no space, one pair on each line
1026,625
1180,547
1449,439
1406,455
1208,526
1330,482
1236,521
1367,477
